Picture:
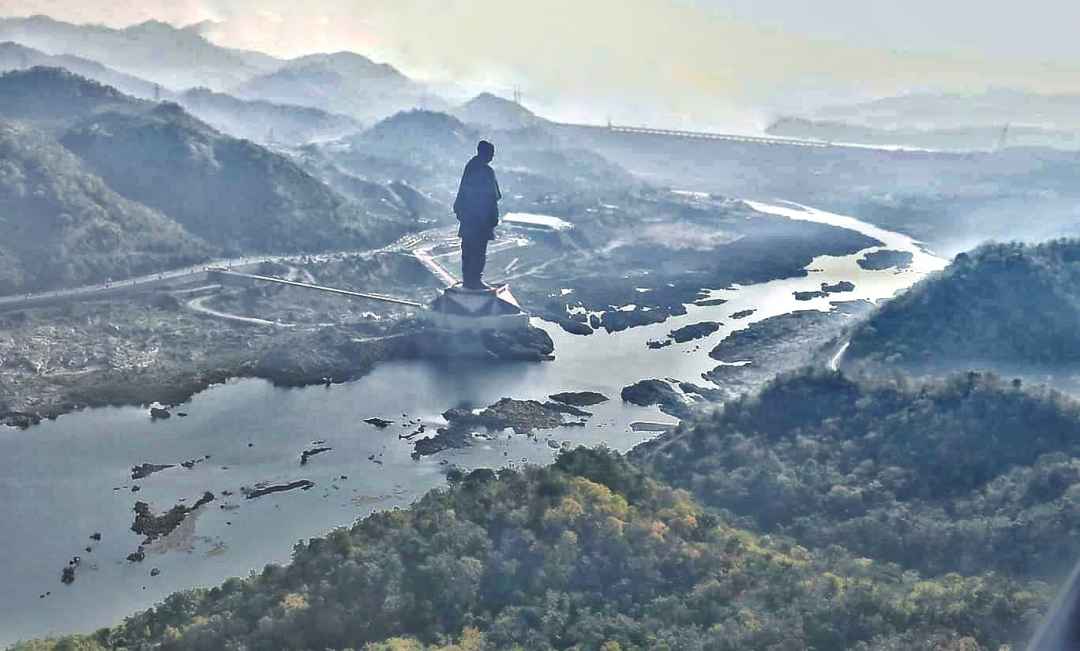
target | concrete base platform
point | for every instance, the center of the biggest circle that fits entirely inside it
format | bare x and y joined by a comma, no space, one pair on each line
462,309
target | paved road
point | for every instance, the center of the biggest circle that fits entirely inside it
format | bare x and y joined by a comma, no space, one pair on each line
172,276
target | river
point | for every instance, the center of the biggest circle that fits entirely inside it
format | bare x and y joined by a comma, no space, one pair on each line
64,480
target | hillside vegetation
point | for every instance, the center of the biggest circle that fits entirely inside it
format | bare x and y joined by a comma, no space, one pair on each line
586,554
53,98
966,475
231,192
1002,303
63,225
171,188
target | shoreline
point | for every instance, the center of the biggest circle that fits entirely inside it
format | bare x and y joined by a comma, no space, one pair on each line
336,357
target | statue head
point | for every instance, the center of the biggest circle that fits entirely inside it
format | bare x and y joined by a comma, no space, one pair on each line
485,150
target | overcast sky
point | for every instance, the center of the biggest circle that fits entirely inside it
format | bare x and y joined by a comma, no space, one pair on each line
699,62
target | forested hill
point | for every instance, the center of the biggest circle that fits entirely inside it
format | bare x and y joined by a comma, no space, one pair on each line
52,98
971,474
231,192
1010,304
586,554
63,225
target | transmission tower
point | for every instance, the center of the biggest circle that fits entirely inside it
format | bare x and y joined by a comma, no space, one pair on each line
1003,139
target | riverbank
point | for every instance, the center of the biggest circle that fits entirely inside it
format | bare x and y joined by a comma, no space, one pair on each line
142,355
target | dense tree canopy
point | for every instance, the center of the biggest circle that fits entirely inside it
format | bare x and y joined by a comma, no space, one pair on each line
970,474
1004,303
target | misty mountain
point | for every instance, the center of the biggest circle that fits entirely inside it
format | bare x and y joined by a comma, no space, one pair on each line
153,50
18,57
420,135
231,192
429,149
975,137
63,225
264,121
996,107
397,193
343,82
53,97
1001,304
493,112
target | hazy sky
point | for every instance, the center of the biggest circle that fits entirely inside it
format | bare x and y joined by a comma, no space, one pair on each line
699,62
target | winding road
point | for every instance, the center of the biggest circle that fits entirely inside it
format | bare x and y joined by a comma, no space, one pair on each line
406,243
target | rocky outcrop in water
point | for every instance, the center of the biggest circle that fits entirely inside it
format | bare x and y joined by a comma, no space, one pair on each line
835,288
522,416
694,331
886,259
646,393
155,526
144,470
259,491
525,344
19,419
808,296
618,320
528,344
574,327
306,454
579,398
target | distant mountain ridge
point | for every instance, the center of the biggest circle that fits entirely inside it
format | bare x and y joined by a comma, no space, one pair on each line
14,56
995,107
984,138
53,97
264,121
179,58
256,120
153,50
342,82
495,112
234,194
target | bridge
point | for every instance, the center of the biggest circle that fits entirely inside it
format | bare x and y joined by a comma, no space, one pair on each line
706,135
224,276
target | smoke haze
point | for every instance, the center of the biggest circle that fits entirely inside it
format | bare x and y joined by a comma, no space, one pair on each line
727,64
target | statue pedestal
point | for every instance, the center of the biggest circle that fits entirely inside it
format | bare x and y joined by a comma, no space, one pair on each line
461,309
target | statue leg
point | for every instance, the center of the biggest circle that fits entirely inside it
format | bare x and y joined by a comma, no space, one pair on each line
470,270
466,260
481,261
